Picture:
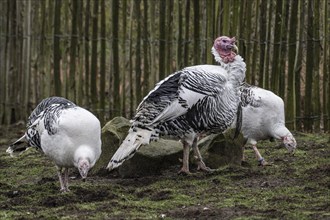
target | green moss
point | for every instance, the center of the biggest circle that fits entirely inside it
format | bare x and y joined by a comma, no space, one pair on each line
293,187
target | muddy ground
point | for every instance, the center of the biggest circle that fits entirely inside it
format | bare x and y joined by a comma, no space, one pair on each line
293,187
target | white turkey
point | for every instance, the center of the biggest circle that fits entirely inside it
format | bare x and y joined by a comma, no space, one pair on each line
68,134
197,99
263,118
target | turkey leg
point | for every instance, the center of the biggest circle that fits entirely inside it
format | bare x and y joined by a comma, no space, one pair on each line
66,179
60,176
185,161
198,156
261,160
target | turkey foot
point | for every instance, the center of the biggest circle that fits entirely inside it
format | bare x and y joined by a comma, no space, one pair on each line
203,167
263,162
64,190
198,156
184,171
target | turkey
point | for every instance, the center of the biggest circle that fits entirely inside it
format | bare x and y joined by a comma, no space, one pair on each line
195,100
68,134
263,118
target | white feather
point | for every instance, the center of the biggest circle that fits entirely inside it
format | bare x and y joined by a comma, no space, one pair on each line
190,97
265,121
130,145
76,128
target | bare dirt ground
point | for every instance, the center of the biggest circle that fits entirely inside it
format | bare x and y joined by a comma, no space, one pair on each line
293,187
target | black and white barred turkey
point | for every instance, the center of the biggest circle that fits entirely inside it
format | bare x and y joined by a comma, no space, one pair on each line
68,134
197,99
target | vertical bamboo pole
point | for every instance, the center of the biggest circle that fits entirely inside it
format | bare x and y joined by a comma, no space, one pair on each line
247,41
80,54
203,34
146,71
152,27
11,15
326,80
299,62
196,32
316,67
94,69
217,17
27,67
57,48
65,67
262,38
179,53
283,49
42,59
3,56
308,110
254,49
103,60
73,52
138,53
20,47
87,54
162,37
275,77
50,9
235,18
131,28
225,21
268,45
290,112
123,68
115,59
168,36
210,30
186,38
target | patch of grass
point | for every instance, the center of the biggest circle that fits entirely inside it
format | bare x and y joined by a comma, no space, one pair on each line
293,187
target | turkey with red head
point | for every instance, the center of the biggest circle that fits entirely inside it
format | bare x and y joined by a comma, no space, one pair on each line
194,100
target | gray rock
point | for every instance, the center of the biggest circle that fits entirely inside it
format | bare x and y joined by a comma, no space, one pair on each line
149,160
112,135
221,149
152,159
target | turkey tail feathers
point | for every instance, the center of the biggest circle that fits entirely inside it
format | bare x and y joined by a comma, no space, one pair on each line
18,146
128,148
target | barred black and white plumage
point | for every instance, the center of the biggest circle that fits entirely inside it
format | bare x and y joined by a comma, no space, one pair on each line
66,133
191,101
263,118
48,109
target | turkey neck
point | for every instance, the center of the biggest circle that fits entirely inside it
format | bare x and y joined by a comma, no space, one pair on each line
236,69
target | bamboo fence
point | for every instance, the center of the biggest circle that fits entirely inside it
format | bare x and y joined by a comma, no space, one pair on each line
106,55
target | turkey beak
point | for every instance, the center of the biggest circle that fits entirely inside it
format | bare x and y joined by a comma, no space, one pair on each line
83,170
234,48
83,173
